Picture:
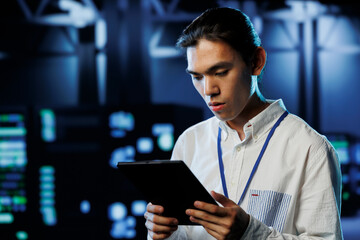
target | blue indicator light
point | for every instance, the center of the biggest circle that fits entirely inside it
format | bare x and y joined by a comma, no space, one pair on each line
85,206
357,153
122,120
21,235
166,141
47,178
117,211
47,170
100,34
13,176
13,145
162,128
124,154
5,201
6,218
47,194
12,131
123,226
144,145
138,207
49,215
9,185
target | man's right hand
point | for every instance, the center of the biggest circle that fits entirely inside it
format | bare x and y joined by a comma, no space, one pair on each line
159,227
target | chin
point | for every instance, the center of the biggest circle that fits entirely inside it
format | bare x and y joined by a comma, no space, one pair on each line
223,117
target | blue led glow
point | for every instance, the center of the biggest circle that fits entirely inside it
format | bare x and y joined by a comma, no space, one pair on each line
345,178
6,218
13,176
356,150
100,34
138,207
118,230
79,15
9,185
6,200
49,215
131,222
343,154
48,129
117,133
162,128
21,235
123,226
124,154
47,178
101,63
144,145
47,195
47,170
13,145
85,206
166,142
117,211
122,120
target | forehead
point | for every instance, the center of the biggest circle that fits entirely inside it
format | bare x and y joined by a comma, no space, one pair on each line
208,53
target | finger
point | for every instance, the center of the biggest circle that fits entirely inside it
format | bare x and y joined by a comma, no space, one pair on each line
156,228
212,228
161,220
203,216
156,236
226,202
210,208
155,208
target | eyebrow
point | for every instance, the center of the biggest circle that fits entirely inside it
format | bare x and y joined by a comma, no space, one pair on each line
213,68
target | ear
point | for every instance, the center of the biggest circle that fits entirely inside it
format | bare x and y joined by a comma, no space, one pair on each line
258,61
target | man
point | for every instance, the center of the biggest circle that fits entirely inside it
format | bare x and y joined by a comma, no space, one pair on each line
273,175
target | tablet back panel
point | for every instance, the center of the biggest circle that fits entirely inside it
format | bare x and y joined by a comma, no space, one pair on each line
170,184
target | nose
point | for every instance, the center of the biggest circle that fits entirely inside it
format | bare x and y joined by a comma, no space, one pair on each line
210,87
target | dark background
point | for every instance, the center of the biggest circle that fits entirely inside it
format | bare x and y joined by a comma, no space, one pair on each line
84,61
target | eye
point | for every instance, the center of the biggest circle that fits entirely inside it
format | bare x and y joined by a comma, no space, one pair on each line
222,73
196,77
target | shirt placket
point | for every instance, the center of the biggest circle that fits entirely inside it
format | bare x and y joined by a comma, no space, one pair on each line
236,164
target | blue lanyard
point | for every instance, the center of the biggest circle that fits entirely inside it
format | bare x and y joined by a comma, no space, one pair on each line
221,165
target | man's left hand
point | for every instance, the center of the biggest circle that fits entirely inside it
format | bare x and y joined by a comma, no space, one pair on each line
227,222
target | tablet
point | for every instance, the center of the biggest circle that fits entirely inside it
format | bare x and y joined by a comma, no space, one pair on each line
170,184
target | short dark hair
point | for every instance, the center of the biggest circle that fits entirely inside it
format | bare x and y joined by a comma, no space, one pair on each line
226,24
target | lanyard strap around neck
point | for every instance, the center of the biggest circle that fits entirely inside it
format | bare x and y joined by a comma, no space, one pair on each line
221,164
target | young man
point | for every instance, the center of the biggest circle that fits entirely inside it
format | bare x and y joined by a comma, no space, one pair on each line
273,175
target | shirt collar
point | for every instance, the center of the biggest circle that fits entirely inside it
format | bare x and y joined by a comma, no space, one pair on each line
261,123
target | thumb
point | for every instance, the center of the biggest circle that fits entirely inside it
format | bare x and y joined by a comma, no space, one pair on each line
226,202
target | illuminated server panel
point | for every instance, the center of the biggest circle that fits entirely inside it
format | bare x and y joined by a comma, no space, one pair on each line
355,151
81,194
13,168
137,134
346,150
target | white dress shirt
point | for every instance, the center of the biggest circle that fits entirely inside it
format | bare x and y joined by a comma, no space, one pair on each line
296,190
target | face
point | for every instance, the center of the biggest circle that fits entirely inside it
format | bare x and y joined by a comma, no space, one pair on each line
221,77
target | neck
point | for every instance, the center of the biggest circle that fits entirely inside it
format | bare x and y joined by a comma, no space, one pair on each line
255,105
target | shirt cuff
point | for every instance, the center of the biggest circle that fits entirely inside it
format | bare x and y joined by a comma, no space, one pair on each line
256,230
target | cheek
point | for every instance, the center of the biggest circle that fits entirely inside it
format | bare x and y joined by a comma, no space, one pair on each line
199,87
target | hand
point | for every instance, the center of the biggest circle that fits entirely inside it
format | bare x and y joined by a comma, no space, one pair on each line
228,222
159,227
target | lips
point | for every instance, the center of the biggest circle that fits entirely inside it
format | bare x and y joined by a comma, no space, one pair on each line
216,106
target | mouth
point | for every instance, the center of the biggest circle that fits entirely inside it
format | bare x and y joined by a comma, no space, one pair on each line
216,106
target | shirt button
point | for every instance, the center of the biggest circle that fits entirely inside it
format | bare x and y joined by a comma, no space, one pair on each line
238,148
255,137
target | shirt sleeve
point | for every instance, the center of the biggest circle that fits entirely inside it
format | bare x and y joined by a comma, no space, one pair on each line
319,203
